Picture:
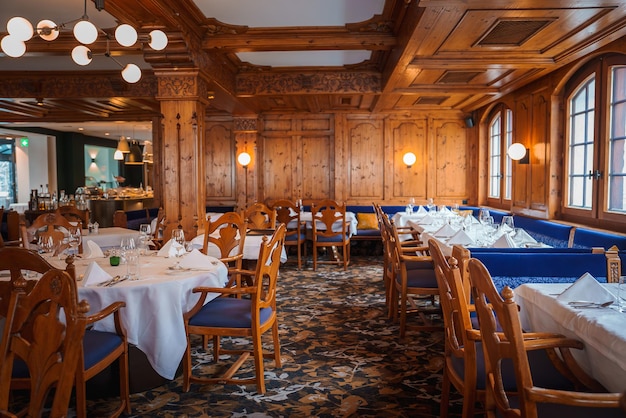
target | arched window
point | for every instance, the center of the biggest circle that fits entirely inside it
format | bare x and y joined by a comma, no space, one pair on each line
500,167
595,149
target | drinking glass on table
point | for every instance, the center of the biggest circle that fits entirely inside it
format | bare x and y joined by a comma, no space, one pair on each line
126,246
74,238
483,214
178,235
45,244
144,238
507,223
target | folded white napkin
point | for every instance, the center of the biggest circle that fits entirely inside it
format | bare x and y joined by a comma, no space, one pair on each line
445,231
505,241
427,219
586,289
95,275
505,228
93,250
420,210
171,249
475,220
523,237
461,238
196,260
444,210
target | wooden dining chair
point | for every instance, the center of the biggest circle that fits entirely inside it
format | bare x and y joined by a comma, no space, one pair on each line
288,213
414,286
504,342
43,321
330,230
249,316
54,225
73,214
260,216
99,349
228,234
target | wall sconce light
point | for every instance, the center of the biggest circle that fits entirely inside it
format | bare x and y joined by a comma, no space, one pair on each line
518,152
409,159
244,159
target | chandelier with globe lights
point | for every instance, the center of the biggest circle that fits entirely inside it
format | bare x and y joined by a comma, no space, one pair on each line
20,30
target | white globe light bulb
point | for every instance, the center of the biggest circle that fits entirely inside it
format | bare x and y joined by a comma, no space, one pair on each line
409,159
81,55
12,47
47,30
20,28
85,32
131,73
517,151
244,159
125,35
158,40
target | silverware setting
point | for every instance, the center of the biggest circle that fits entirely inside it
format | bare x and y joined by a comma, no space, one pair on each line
110,282
585,304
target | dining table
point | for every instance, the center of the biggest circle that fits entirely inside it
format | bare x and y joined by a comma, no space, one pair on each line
155,302
306,218
601,329
109,237
251,245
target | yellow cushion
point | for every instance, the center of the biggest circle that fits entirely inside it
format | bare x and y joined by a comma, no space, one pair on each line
367,221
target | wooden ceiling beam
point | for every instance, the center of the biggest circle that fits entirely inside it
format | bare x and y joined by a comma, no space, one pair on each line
299,39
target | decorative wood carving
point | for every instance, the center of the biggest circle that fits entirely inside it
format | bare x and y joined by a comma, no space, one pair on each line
245,125
313,82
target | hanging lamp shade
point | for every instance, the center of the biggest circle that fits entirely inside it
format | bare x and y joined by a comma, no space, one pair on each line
123,146
135,157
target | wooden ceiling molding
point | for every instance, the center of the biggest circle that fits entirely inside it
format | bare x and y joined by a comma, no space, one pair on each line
453,55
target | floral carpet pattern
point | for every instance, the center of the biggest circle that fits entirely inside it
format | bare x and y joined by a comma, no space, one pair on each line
341,357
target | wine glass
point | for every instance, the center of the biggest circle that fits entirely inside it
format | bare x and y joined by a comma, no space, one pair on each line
46,244
483,215
74,238
126,246
178,235
144,237
431,204
507,223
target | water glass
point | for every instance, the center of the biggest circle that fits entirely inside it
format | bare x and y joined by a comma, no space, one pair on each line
483,215
74,239
145,233
126,246
621,294
132,264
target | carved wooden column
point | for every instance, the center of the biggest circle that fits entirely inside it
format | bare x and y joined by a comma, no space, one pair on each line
183,99
246,132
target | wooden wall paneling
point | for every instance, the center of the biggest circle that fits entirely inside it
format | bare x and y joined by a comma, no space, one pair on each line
407,182
365,160
318,167
219,157
539,153
180,181
278,168
522,115
451,161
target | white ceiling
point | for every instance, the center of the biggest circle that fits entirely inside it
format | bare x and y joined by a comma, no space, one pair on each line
251,13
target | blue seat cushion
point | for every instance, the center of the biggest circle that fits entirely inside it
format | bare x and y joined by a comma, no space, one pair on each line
587,238
294,238
99,344
423,278
336,238
228,313
543,371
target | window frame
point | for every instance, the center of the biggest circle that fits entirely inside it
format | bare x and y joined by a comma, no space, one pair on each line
599,215
505,165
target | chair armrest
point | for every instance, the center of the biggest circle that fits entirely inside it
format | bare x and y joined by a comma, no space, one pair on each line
580,399
551,342
415,258
114,309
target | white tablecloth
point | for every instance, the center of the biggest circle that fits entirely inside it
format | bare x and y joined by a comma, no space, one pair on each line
153,316
109,237
603,331
401,219
251,247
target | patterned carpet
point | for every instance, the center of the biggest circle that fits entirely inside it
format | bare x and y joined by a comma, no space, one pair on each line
341,357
